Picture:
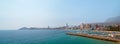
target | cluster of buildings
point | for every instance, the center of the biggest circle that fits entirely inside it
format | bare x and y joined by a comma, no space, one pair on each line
83,26
99,26
106,30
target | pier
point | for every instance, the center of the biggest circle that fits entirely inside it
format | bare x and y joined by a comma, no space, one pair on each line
95,37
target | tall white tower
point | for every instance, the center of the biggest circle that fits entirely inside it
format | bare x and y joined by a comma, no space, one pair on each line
67,26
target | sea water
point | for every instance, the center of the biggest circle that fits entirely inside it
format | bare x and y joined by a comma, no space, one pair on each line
44,37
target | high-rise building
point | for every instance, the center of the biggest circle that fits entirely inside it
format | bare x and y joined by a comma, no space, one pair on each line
67,26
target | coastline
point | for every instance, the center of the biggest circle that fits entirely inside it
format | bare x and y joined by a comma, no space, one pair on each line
99,37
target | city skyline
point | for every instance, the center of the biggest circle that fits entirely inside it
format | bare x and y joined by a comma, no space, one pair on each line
15,14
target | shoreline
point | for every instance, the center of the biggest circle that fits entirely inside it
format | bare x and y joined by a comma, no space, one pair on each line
95,37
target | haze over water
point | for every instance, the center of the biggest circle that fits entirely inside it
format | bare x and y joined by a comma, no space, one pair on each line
44,37
15,14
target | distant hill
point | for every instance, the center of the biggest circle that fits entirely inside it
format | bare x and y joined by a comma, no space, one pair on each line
35,28
113,20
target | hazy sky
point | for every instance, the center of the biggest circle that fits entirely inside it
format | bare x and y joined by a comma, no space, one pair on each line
41,13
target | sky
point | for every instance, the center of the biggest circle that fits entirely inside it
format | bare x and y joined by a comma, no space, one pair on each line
15,14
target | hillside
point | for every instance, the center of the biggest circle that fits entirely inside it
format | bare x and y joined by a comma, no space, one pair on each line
113,20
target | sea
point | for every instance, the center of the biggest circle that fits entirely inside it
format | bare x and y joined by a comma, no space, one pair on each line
45,37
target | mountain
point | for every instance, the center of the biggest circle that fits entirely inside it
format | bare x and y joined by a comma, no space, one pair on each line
113,20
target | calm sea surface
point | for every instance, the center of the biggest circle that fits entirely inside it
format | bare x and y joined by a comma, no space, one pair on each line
44,37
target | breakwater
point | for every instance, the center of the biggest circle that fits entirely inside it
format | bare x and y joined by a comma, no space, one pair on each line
95,37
